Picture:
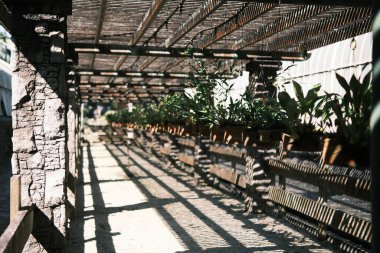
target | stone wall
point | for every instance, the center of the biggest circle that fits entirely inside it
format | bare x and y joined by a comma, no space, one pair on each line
39,121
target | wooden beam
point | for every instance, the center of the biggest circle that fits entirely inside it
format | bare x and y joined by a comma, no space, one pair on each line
133,85
99,28
88,48
15,196
146,63
150,15
17,233
137,74
196,18
246,15
333,36
320,27
290,19
344,3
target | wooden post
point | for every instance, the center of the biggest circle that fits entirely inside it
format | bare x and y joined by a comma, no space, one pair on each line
322,198
15,195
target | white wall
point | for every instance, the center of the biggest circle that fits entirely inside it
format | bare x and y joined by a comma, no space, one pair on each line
326,61
6,87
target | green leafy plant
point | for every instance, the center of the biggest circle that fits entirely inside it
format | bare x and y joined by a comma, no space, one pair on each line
263,113
172,109
120,116
305,114
353,109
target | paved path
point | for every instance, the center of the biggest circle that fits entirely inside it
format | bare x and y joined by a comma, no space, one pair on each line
129,201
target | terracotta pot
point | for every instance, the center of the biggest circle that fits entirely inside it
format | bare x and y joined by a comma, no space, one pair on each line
217,134
184,130
172,128
269,135
340,153
250,137
204,131
233,134
311,143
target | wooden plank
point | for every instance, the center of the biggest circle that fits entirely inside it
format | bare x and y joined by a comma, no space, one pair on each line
322,26
188,142
99,28
138,74
156,51
338,184
332,218
186,159
234,23
16,235
228,175
149,16
344,3
228,150
15,195
288,20
346,32
196,18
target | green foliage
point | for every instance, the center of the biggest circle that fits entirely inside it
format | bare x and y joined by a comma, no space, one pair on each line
263,113
203,107
305,114
121,116
353,110
173,109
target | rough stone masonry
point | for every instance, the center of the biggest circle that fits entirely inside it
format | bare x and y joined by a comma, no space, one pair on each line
39,124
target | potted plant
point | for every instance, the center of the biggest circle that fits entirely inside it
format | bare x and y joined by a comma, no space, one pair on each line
349,146
264,118
201,104
307,117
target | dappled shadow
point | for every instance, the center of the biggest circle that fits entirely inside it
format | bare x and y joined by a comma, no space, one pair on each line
103,235
231,232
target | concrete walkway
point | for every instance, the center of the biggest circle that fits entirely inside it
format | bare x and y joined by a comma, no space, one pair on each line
128,201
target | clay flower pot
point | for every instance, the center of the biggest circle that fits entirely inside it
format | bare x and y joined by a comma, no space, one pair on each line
340,153
217,134
269,135
309,142
233,134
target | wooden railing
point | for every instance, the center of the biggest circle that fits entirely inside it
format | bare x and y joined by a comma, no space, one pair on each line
20,228
328,223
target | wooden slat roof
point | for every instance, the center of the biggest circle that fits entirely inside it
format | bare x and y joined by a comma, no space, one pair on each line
261,25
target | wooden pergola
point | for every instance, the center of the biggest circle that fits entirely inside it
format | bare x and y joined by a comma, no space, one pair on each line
121,42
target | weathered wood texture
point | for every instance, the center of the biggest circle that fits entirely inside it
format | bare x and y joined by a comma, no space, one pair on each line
15,198
16,235
290,26
338,184
229,175
333,218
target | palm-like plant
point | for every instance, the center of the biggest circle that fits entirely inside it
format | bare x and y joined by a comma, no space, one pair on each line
305,114
353,110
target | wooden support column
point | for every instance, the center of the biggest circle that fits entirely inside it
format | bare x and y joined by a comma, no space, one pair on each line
15,196
72,172
39,91
375,131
